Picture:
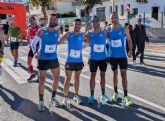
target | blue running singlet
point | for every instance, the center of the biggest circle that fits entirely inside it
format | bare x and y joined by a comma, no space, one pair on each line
48,45
74,54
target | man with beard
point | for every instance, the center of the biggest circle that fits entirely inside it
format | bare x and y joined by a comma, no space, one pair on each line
74,61
97,39
118,55
47,58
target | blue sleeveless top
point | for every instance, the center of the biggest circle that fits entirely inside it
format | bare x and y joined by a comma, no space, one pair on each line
74,54
98,45
117,43
48,45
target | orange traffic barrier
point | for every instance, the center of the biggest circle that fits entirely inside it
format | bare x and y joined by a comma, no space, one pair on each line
19,12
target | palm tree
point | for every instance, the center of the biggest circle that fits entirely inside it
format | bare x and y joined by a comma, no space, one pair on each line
43,4
89,4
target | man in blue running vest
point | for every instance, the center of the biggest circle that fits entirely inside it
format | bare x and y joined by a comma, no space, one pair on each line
74,62
47,58
98,55
118,55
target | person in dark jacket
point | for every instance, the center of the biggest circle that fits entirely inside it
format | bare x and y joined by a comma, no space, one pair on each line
6,29
139,33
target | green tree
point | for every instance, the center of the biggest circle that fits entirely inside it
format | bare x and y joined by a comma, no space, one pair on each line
89,4
43,4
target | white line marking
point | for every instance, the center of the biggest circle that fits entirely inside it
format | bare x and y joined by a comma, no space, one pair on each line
14,75
131,95
23,50
19,70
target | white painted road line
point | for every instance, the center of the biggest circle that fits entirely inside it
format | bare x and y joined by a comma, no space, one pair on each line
14,75
18,70
131,95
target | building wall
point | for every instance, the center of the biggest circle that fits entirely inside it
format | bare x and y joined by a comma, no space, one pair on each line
62,6
142,7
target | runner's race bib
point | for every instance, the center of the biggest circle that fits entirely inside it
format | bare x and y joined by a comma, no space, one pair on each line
13,39
50,48
98,48
116,43
75,53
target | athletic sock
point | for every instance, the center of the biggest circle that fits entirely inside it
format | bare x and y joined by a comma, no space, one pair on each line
41,97
115,89
125,93
53,94
103,91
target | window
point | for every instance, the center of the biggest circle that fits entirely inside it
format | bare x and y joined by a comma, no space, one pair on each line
101,13
164,10
122,10
135,11
116,9
82,12
110,9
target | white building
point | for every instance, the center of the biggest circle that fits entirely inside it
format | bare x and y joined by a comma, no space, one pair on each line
153,10
56,6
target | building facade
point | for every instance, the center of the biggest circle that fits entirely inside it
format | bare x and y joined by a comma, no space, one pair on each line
152,9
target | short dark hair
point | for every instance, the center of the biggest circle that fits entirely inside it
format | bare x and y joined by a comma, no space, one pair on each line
77,20
32,17
139,20
53,14
106,22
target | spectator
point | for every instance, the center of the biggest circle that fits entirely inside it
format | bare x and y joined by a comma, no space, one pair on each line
139,34
6,29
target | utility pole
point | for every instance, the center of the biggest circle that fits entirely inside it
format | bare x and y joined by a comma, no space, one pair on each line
113,5
162,19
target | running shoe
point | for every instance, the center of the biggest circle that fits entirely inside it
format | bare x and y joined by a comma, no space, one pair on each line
31,77
114,97
64,101
127,101
77,99
54,101
41,106
91,99
104,99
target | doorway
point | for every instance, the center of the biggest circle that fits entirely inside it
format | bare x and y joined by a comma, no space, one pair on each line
155,12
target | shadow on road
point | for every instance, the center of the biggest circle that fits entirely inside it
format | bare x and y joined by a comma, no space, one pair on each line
113,111
146,70
27,107
154,58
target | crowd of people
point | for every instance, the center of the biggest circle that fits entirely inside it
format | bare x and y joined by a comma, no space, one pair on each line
112,44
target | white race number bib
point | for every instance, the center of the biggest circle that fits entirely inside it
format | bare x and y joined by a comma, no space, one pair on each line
116,43
99,48
75,53
50,48
13,39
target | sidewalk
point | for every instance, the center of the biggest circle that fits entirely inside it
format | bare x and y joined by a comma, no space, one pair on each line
156,45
